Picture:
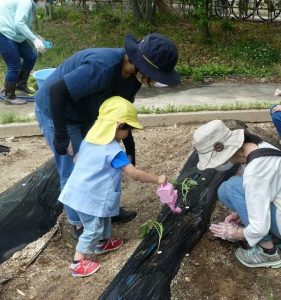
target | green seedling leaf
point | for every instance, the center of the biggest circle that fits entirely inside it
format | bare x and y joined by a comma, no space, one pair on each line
186,185
143,230
193,183
173,182
149,225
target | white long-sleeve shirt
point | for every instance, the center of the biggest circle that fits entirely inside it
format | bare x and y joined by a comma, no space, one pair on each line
262,184
16,19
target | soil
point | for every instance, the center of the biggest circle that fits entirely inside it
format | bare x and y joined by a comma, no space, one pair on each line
210,271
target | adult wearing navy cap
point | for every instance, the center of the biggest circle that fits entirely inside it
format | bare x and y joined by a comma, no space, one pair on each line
67,104
155,57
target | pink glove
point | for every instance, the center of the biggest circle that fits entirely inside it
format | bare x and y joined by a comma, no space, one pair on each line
227,231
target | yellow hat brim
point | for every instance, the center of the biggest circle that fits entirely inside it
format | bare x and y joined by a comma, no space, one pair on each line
113,111
102,133
135,124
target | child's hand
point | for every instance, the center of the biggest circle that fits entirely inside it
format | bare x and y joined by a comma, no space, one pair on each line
162,179
75,158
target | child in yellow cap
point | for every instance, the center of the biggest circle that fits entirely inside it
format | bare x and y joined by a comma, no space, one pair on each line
93,189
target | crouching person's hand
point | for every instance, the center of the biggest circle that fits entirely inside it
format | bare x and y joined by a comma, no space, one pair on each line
227,231
232,218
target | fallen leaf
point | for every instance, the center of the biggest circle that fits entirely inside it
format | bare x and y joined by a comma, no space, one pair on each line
21,292
69,246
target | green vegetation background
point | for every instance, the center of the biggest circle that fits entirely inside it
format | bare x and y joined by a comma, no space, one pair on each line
240,48
237,48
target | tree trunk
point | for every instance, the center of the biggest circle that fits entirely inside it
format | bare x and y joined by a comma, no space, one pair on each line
205,26
49,10
149,11
136,11
165,7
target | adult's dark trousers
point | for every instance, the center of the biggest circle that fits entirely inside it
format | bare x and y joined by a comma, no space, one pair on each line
17,56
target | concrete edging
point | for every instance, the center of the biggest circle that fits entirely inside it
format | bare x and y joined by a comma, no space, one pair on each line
154,120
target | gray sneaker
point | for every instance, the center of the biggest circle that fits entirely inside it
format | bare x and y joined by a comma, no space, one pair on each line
255,257
16,101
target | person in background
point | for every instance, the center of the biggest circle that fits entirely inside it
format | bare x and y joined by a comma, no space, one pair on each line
15,48
67,104
254,198
93,188
275,113
49,9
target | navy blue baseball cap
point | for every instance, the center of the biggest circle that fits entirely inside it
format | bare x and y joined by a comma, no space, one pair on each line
155,56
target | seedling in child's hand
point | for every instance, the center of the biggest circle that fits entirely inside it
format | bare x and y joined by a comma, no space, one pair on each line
147,226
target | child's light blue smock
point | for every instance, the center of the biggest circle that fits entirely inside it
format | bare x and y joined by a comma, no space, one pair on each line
93,187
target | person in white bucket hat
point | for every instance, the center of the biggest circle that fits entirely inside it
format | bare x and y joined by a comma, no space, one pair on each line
254,198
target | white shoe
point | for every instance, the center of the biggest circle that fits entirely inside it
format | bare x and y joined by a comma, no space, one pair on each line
159,85
277,92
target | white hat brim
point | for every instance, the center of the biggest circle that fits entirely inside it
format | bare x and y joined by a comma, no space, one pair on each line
214,159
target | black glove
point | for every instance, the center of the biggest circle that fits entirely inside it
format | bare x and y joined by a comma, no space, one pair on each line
61,143
129,144
58,102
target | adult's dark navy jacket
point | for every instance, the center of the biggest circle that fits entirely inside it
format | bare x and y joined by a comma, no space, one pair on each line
73,93
91,76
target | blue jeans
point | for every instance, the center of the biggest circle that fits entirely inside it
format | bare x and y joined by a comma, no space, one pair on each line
64,163
276,119
232,194
95,229
12,53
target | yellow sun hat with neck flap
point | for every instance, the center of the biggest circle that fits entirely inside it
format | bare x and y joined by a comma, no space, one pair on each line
113,111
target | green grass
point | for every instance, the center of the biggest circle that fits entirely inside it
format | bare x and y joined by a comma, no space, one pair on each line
171,108
223,70
249,49
255,53
244,48
11,117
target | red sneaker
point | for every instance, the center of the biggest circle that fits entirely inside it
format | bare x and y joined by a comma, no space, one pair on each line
109,245
84,268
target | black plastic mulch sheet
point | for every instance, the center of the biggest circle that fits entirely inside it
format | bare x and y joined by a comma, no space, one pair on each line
4,149
147,275
29,209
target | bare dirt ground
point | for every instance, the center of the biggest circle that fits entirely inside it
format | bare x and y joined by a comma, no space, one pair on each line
210,271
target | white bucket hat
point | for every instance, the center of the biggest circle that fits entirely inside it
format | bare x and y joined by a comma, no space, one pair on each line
216,143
